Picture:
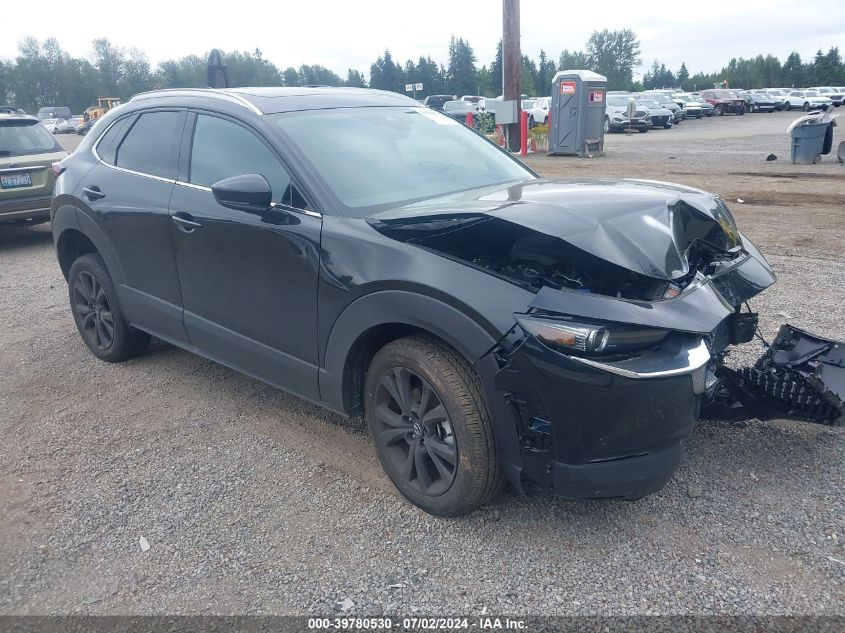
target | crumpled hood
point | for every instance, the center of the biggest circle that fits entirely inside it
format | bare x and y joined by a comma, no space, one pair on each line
648,227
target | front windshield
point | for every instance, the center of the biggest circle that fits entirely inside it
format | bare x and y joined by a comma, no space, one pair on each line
650,104
812,93
380,158
618,102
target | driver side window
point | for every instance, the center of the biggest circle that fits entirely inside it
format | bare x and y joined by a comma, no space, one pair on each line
222,149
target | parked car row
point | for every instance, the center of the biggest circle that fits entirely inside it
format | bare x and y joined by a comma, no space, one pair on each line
63,126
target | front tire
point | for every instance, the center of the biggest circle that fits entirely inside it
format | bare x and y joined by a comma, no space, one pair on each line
806,107
606,125
718,111
97,313
426,413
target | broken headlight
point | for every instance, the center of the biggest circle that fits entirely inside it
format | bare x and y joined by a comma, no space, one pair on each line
590,338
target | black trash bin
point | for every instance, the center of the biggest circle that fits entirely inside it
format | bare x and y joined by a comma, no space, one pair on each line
810,140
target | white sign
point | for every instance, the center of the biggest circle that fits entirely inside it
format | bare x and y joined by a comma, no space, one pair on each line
418,86
409,87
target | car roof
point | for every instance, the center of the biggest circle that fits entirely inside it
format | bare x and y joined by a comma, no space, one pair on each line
275,100
4,116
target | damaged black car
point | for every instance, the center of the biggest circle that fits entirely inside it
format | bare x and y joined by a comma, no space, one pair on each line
381,259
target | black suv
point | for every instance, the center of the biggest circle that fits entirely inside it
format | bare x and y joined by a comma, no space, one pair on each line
380,258
436,102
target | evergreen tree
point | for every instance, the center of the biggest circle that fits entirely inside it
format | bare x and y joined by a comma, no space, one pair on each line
683,75
385,74
355,79
462,73
792,73
497,72
546,70
528,77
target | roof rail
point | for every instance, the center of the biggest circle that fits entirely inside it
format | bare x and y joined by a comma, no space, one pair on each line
210,92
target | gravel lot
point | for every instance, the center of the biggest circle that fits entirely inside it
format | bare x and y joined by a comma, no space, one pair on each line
253,501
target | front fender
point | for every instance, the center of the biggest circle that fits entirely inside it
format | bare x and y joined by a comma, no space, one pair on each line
444,321
396,307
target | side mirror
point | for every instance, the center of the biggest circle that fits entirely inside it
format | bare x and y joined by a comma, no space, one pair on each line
249,192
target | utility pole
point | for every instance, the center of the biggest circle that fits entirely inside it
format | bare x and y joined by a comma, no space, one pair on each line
511,65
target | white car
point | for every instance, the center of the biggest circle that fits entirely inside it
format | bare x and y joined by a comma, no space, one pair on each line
807,100
687,101
538,114
834,94
56,126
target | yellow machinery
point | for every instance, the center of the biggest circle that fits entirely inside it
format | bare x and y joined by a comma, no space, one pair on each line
104,104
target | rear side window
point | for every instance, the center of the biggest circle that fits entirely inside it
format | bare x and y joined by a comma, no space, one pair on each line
222,149
107,146
150,146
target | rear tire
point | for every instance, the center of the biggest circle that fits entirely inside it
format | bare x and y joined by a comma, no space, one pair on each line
426,413
97,313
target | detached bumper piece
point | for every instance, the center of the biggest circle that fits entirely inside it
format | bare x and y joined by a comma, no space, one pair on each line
800,377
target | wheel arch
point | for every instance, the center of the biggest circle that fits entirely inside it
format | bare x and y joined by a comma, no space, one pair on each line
372,321
357,335
76,234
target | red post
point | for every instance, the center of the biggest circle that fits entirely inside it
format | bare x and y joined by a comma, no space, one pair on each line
469,119
523,133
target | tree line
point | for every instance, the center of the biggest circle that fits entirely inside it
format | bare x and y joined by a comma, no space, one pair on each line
825,69
45,74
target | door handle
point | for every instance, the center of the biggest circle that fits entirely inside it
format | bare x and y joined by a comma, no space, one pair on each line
93,193
185,222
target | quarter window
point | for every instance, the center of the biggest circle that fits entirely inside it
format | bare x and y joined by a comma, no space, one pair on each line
223,149
107,146
149,146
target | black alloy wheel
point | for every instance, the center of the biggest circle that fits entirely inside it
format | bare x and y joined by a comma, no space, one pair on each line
93,310
428,417
414,432
97,312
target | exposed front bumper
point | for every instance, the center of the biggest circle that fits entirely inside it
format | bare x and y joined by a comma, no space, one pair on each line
593,431
33,207
661,120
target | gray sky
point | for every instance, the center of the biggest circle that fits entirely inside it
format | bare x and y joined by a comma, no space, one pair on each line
343,34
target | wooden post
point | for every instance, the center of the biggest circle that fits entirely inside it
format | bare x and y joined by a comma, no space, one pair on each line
511,65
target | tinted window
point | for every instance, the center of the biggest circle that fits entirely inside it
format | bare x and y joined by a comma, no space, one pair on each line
222,149
149,146
107,146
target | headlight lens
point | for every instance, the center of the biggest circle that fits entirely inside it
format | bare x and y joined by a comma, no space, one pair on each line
572,336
